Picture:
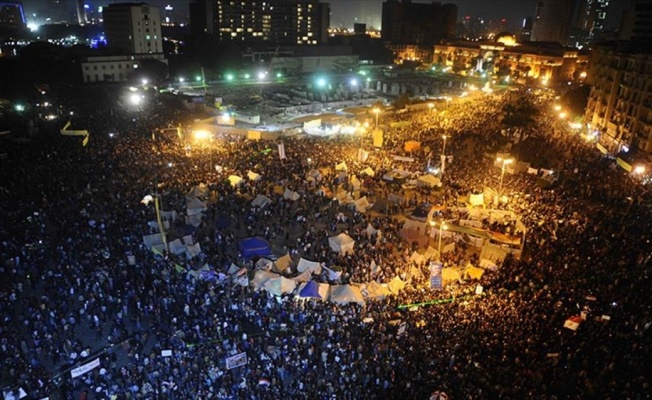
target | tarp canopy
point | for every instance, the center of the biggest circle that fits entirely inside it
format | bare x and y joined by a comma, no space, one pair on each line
492,253
428,181
450,274
368,171
375,290
282,263
253,176
431,252
412,145
305,276
264,263
341,243
395,285
261,201
396,175
254,246
280,285
176,247
370,230
310,290
312,266
200,190
261,277
234,180
417,258
473,272
344,294
362,204
195,206
192,251
290,195
422,212
322,290
151,240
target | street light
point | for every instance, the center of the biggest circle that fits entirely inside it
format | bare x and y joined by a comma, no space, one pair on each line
443,154
148,199
376,111
502,172
442,227
431,107
639,170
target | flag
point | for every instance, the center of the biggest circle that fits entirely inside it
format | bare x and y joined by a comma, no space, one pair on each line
179,268
378,138
363,155
281,151
85,141
573,322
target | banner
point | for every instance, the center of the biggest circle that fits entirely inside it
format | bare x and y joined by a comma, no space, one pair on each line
623,164
363,155
281,151
435,275
81,370
237,360
378,138
602,149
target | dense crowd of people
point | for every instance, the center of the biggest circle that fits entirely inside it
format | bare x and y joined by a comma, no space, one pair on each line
81,285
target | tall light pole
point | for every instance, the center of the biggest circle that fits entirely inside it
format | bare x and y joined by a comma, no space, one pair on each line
442,227
377,112
443,154
504,162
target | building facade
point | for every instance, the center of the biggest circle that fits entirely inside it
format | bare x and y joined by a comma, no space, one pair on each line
552,21
543,61
283,22
133,28
637,22
12,19
404,22
619,109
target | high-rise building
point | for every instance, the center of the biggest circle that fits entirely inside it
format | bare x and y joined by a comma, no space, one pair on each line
202,17
133,28
405,22
552,21
295,22
619,109
12,18
637,22
589,20
81,13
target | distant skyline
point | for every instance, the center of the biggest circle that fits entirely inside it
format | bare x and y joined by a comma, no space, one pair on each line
344,13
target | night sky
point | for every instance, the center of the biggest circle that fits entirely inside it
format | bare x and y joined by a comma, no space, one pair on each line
345,12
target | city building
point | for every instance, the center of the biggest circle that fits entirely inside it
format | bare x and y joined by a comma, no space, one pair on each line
299,59
637,21
274,22
619,109
12,19
546,62
588,22
410,53
404,22
202,17
81,13
552,21
133,28
133,34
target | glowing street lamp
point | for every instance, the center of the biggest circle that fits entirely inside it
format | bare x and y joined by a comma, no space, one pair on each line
443,154
442,227
353,82
562,115
229,77
135,99
504,162
321,82
376,111
557,107
431,107
639,170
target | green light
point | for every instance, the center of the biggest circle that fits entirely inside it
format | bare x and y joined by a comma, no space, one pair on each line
433,68
198,78
247,76
20,107
279,75
229,77
321,82
363,73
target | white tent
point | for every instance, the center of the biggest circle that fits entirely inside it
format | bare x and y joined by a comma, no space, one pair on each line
396,174
195,206
476,199
261,201
176,247
417,258
312,266
344,294
428,181
370,230
314,175
368,171
168,215
290,195
264,263
282,263
305,276
395,285
341,167
278,286
341,243
333,274
194,220
362,204
192,250
234,180
260,277
253,176
375,290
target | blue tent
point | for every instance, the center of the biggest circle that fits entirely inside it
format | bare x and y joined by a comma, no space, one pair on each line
311,289
254,246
